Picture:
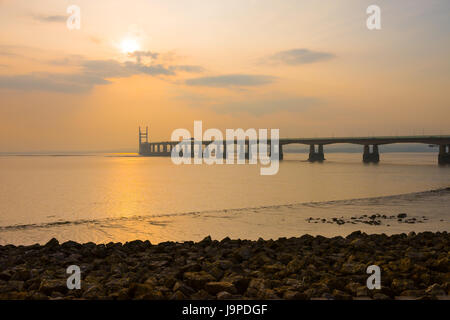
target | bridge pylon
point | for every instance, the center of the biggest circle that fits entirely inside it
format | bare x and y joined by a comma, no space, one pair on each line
316,156
373,156
444,154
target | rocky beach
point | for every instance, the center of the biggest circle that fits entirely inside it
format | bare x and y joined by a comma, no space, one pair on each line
413,266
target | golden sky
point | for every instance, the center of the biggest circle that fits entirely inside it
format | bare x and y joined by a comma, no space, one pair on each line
309,68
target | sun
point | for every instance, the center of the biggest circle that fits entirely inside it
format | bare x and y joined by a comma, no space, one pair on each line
129,45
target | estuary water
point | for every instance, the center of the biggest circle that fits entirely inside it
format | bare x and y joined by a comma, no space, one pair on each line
122,197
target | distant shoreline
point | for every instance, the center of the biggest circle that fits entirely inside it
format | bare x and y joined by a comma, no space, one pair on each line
412,266
422,149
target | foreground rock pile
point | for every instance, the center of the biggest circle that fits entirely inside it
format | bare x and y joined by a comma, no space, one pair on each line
375,219
412,266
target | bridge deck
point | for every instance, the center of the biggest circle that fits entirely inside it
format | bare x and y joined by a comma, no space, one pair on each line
438,140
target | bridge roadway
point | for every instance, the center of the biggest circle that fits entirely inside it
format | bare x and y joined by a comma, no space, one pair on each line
370,149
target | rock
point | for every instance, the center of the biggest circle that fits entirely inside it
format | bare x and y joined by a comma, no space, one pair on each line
412,293
400,285
224,295
245,253
295,265
353,268
116,284
241,283
268,294
258,284
38,296
123,294
442,265
145,292
353,287
416,255
21,274
359,243
327,296
197,280
206,241
94,292
341,295
5,275
52,243
191,267
48,286
216,273
381,296
291,268
273,268
224,264
178,295
402,215
216,287
13,285
405,265
284,258
201,295
186,290
435,290
362,291
294,295
71,245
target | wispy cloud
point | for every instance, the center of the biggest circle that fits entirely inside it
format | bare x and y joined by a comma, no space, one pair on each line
140,54
188,68
92,73
298,56
67,83
231,80
264,106
251,103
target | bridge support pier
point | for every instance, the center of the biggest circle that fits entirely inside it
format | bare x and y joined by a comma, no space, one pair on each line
316,156
444,154
247,150
373,156
277,151
199,151
224,152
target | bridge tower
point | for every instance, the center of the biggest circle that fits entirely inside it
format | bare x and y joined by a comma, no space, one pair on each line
143,141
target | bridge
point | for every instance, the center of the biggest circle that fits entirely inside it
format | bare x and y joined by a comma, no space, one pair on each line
316,146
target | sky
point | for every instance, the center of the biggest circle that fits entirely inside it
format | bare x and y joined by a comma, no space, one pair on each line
309,68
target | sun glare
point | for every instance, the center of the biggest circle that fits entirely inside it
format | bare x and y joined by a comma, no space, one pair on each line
129,46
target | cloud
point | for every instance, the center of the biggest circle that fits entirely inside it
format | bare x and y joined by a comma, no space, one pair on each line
231,80
8,54
51,18
188,68
92,72
67,83
299,56
70,60
252,103
260,107
139,54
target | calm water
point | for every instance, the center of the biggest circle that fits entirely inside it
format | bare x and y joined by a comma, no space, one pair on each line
104,198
